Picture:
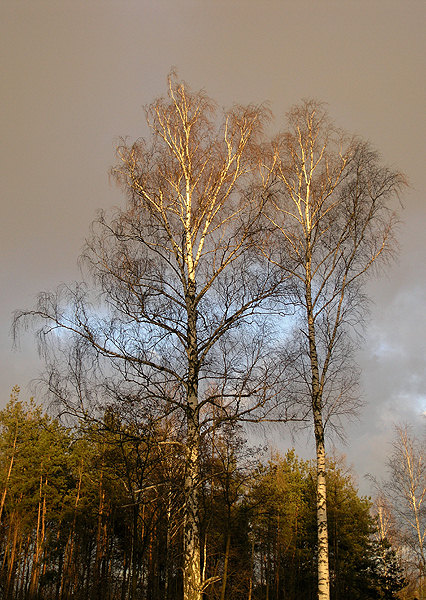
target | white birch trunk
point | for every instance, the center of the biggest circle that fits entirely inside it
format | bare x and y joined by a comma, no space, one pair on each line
321,491
323,562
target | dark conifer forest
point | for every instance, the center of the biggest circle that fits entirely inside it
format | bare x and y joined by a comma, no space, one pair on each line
96,513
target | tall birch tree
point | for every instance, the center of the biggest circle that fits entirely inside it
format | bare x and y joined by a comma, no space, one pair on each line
180,285
331,211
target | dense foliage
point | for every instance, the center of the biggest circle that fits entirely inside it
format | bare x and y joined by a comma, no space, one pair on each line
95,513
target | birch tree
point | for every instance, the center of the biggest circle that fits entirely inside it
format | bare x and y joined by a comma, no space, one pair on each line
180,289
406,491
331,212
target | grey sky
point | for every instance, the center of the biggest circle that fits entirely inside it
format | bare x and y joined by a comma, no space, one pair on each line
75,76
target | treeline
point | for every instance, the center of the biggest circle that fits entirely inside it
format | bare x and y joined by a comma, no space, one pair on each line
96,513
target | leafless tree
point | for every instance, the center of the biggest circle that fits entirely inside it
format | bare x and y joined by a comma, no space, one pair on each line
182,293
406,492
383,514
331,211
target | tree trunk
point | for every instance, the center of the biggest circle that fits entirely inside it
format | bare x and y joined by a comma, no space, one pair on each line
323,566
9,472
192,562
11,565
134,552
40,532
192,584
168,543
100,542
225,567
321,491
251,569
68,570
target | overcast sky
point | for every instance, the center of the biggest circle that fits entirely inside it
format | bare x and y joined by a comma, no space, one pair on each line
75,76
